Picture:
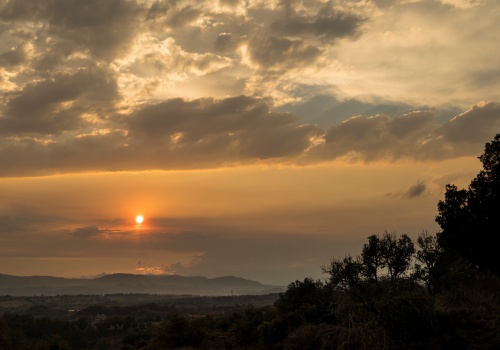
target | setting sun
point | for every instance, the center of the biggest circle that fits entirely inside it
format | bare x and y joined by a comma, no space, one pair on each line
139,219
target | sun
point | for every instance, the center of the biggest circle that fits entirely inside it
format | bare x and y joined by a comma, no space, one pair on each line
139,219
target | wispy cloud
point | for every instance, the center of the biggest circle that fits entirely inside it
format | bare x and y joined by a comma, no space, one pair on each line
93,231
416,190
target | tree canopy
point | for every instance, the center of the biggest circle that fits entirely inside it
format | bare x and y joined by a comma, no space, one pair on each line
470,218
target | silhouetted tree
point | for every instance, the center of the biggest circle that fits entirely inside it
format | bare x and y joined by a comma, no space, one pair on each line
387,255
427,256
307,301
395,254
346,274
470,218
372,258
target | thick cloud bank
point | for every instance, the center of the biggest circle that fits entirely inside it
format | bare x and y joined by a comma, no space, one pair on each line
208,133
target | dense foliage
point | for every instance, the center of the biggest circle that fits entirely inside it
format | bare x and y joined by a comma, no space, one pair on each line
470,218
442,293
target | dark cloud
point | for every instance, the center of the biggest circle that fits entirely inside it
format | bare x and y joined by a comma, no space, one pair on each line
172,134
416,135
55,105
91,231
92,152
20,10
208,133
477,124
13,57
226,42
281,53
25,222
173,14
416,190
328,24
158,8
102,27
378,137
240,126
297,39
196,28
229,2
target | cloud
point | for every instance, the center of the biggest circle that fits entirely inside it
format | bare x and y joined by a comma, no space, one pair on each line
166,269
102,27
151,57
474,125
56,104
416,136
209,133
183,16
150,270
237,128
138,85
297,38
281,53
407,53
13,57
416,190
173,14
91,231
25,222
402,52
377,137
172,134
327,24
229,2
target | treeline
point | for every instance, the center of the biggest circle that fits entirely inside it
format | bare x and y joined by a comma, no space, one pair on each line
358,313
440,292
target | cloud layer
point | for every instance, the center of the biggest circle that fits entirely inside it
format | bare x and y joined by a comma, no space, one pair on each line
137,85
208,133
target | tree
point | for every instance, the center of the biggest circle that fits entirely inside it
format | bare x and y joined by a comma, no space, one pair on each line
427,259
470,218
396,254
345,274
372,258
303,302
378,292
386,258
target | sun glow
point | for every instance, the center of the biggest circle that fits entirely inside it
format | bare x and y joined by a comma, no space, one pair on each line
139,219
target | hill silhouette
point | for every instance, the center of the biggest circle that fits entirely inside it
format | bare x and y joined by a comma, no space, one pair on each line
131,283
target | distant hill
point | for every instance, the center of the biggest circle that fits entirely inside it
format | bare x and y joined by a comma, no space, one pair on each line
130,283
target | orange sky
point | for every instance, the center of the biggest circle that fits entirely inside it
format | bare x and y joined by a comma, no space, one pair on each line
258,138
273,224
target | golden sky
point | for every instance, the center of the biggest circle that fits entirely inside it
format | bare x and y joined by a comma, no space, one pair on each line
257,138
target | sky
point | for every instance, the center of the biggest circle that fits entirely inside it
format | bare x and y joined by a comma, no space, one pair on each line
258,139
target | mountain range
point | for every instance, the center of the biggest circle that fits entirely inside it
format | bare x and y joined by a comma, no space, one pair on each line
131,283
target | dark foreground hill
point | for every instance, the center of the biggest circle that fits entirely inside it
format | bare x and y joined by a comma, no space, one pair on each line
130,283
